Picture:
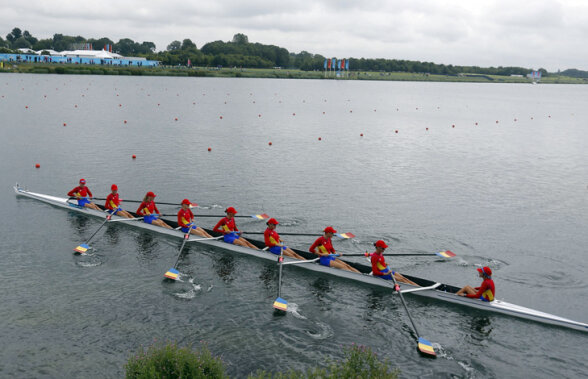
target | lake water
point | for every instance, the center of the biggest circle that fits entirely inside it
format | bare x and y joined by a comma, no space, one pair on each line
507,187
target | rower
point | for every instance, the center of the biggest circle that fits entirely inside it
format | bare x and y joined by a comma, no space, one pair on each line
83,195
274,242
324,247
186,221
149,211
379,267
112,204
228,228
485,292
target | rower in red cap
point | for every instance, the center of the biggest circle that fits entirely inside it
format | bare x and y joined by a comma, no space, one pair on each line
381,269
228,228
324,247
186,221
274,242
486,291
113,203
83,195
149,211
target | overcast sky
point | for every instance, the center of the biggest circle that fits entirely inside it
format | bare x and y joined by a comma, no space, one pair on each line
552,34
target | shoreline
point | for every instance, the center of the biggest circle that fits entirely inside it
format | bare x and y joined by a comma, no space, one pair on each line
69,69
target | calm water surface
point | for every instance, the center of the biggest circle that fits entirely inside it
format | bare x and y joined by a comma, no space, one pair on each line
507,187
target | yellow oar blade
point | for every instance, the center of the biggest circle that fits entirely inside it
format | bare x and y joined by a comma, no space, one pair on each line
426,348
281,304
172,273
82,248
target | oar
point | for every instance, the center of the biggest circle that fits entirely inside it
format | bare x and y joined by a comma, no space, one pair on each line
423,346
280,304
140,201
173,272
308,260
262,216
443,254
82,248
340,235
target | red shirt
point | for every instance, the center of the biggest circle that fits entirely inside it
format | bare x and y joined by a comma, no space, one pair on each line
146,209
324,245
112,201
271,237
379,266
80,192
185,216
486,290
225,226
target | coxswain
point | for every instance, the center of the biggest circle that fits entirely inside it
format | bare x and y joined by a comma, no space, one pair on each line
112,204
186,221
379,267
149,211
228,228
485,292
274,242
83,195
324,247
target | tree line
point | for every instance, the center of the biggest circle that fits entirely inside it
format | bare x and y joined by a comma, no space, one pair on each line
239,52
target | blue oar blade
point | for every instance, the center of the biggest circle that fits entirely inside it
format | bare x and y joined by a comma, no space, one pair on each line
262,216
446,254
82,248
172,273
425,347
281,304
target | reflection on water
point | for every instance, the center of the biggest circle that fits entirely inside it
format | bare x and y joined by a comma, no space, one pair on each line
320,287
481,327
224,265
268,275
112,232
147,245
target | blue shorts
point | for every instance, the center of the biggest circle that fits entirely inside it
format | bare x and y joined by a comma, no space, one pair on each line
185,230
326,260
385,277
115,211
83,201
230,237
149,219
276,249
484,299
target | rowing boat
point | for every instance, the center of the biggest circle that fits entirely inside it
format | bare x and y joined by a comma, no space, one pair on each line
428,288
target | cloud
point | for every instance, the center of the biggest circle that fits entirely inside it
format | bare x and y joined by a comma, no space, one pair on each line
538,33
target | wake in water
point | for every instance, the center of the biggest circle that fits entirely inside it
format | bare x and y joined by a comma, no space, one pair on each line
191,293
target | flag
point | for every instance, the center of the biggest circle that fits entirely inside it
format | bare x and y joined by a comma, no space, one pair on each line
347,64
343,64
325,65
334,63
189,63
329,63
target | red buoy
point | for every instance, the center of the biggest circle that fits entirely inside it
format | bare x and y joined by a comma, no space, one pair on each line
221,117
426,128
453,125
259,115
37,166
320,139
26,107
476,123
497,121
134,156
350,111
209,149
120,105
176,119
293,114
396,131
361,135
64,124
270,143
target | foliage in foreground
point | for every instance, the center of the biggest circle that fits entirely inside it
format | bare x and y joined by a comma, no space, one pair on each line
171,361
359,362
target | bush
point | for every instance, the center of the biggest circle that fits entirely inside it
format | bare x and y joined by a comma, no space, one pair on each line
359,362
171,361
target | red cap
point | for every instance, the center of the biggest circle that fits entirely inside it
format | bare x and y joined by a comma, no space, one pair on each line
485,270
380,243
329,229
114,187
231,210
186,201
82,181
150,194
272,221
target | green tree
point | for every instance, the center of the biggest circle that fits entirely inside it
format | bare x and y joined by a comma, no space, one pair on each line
148,47
187,44
21,42
125,47
14,35
240,39
44,44
175,45
32,40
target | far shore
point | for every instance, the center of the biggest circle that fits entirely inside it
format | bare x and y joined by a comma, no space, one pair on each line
44,68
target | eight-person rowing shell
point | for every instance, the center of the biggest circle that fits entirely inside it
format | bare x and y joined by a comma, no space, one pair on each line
112,204
324,248
486,291
149,211
273,241
228,228
381,269
83,195
186,221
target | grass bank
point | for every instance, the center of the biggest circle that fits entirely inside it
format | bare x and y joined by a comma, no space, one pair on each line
44,68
